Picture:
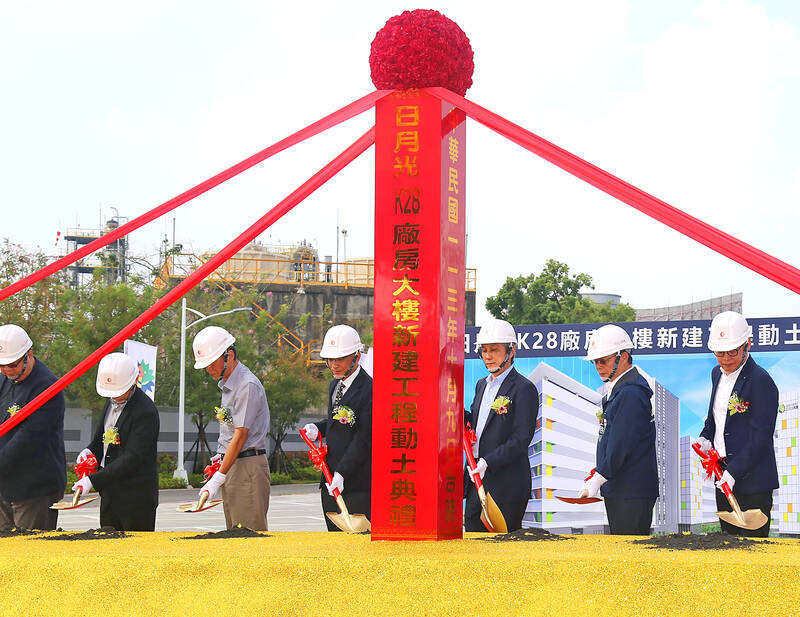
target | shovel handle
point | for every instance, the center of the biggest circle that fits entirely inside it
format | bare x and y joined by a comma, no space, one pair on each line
468,438
323,466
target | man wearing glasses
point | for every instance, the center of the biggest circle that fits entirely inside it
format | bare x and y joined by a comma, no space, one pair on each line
33,471
626,472
741,421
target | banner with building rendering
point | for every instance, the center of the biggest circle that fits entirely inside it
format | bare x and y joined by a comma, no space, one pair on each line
674,357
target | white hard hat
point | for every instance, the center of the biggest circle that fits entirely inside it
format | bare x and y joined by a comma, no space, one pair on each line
497,331
340,341
728,331
209,344
607,340
14,343
116,374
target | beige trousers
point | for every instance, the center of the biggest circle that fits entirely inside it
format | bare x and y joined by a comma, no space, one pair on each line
246,493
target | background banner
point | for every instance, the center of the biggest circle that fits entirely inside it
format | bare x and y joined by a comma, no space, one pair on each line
145,357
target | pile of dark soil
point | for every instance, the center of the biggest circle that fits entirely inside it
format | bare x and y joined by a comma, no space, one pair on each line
17,531
104,533
235,532
699,542
523,535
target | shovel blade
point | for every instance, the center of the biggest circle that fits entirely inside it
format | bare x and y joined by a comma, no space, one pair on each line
195,506
71,505
496,517
579,499
353,523
751,519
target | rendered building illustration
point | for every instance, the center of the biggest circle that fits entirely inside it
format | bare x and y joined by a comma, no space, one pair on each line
697,502
786,500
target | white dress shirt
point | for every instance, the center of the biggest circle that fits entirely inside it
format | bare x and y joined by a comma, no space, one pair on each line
489,394
721,398
111,420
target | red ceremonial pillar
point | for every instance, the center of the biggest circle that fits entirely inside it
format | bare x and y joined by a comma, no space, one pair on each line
417,409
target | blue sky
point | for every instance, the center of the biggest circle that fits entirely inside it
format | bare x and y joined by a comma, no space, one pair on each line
127,104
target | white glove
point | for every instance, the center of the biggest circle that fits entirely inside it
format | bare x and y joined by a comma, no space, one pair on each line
312,432
336,482
216,458
591,488
213,485
85,453
725,479
480,467
705,444
84,484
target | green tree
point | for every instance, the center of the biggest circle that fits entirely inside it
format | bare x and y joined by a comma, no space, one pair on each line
37,308
552,297
91,314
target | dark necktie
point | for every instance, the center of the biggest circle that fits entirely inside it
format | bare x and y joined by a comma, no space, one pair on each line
337,398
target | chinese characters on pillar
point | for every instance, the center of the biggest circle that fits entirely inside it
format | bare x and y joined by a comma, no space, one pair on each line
418,319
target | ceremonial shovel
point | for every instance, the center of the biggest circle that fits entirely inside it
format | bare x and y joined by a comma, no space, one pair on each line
356,523
84,468
491,516
581,499
749,519
202,504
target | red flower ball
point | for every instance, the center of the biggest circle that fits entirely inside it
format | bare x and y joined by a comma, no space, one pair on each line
420,49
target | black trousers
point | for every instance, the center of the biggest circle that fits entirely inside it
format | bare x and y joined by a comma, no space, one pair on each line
630,517
140,518
513,511
357,503
754,501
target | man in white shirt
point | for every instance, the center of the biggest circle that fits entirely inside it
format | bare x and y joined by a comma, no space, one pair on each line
243,424
741,421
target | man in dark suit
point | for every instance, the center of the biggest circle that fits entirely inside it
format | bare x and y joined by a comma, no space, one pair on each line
33,471
741,421
626,472
503,416
125,444
348,428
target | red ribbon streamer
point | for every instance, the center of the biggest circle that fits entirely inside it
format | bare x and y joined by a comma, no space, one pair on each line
755,259
86,466
177,292
337,117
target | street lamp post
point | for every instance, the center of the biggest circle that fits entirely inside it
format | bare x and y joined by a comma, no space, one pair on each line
180,470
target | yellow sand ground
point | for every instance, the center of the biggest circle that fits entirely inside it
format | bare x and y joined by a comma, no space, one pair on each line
293,573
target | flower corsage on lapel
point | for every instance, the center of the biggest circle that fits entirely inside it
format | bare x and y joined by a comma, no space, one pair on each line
111,436
13,409
344,415
501,405
223,414
737,405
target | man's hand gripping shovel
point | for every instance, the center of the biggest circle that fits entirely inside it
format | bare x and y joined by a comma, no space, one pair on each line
491,516
356,523
749,519
82,469
203,503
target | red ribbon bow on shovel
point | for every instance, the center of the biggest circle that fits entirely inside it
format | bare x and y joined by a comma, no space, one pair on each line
211,469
